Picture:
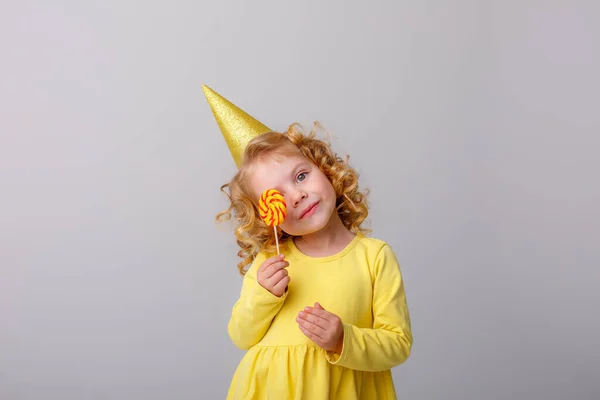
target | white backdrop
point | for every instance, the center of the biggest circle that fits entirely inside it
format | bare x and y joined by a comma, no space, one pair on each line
474,124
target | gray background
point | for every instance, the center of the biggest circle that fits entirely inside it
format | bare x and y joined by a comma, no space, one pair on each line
475,124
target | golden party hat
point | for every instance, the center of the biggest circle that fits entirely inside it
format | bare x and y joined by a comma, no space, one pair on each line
238,128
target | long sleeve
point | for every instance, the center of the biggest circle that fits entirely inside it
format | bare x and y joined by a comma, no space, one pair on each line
254,311
388,343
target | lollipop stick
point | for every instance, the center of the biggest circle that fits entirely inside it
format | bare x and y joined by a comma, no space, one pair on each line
276,239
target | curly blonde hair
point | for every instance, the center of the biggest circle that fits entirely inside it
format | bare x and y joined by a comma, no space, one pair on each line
252,234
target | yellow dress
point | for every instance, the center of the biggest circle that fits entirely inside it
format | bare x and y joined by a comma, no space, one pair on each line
363,286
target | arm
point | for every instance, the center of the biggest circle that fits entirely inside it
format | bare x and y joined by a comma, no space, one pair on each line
254,311
388,343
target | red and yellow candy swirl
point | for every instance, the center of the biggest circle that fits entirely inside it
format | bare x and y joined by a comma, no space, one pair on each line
271,207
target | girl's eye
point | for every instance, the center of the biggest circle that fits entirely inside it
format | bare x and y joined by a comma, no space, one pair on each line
301,176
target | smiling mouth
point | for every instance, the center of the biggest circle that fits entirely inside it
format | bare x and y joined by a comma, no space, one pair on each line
309,210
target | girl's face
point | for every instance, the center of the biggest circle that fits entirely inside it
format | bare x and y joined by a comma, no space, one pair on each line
309,196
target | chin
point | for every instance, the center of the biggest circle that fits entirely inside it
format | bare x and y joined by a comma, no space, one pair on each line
314,226
300,232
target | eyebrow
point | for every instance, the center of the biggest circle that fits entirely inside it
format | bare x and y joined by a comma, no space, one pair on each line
298,166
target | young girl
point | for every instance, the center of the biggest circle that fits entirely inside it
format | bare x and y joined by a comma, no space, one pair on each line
326,319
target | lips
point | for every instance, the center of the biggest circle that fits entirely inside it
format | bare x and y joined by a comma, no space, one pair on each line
309,209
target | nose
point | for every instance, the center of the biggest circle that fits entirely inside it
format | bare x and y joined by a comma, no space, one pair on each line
295,196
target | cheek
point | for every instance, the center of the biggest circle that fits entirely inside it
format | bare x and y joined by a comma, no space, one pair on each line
291,228
285,226
330,191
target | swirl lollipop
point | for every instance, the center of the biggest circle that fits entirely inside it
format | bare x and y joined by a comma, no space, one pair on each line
272,210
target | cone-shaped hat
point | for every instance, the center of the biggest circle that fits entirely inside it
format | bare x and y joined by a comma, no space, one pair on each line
237,127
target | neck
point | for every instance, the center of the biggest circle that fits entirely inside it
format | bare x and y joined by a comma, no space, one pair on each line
333,238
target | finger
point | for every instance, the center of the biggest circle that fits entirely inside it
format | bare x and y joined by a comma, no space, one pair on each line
319,306
269,261
279,275
316,330
311,335
326,315
273,268
320,322
280,286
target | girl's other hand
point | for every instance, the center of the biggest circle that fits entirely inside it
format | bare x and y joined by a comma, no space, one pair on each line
273,276
322,327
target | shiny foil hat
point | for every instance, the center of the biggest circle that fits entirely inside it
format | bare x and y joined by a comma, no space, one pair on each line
238,128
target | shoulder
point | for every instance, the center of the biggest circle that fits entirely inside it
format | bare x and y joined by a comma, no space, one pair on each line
373,246
377,253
